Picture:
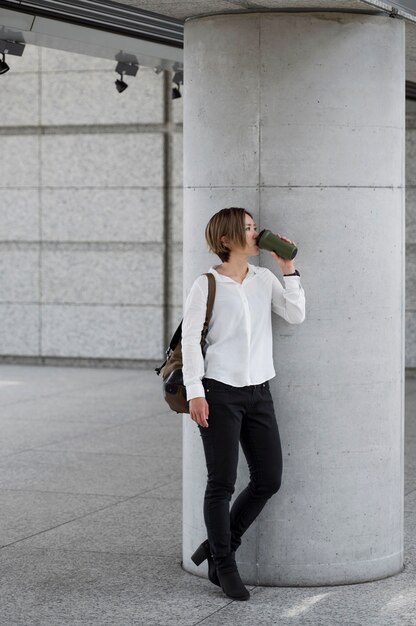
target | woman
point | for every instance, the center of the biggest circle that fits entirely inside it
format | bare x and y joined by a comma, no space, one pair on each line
228,390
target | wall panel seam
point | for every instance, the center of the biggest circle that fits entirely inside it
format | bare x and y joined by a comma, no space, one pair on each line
92,129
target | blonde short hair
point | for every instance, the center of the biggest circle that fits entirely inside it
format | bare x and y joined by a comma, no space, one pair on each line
229,223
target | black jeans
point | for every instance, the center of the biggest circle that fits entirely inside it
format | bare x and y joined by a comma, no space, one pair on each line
246,415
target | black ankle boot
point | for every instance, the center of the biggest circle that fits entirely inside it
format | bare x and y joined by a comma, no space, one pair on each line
232,585
202,553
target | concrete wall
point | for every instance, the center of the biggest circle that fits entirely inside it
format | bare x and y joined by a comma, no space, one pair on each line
90,181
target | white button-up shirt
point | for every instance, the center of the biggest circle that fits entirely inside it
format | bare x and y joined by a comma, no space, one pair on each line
239,349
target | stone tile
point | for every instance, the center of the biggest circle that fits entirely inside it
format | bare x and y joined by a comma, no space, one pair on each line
63,61
177,215
98,409
410,334
383,603
409,484
35,383
113,160
82,473
144,526
159,435
411,278
66,588
19,215
175,316
410,426
26,513
410,385
112,332
409,466
410,444
102,215
97,100
410,530
112,568
410,420
24,434
148,437
19,99
24,317
177,277
410,214
410,156
409,461
410,501
171,491
119,397
115,274
177,176
19,272
19,156
78,406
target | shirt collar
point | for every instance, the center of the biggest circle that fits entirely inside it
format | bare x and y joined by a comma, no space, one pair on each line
252,271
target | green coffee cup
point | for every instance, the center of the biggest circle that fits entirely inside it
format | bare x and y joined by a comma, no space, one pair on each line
269,241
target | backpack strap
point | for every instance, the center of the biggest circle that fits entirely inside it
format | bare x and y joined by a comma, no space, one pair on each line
210,303
178,332
211,294
176,338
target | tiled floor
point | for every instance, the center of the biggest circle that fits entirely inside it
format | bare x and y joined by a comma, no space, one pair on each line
91,508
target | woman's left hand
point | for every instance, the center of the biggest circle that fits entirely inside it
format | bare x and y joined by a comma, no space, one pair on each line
286,265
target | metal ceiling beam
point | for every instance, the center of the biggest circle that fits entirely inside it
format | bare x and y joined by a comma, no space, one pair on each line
395,9
106,15
99,28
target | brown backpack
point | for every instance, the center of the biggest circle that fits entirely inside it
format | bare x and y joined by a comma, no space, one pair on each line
174,390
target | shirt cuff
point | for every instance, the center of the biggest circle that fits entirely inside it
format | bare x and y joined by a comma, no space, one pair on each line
291,278
295,273
195,391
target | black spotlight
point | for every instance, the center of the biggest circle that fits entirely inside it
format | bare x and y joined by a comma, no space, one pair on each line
178,77
120,84
177,80
128,68
3,65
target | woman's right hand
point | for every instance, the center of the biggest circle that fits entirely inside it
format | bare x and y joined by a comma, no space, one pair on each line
198,409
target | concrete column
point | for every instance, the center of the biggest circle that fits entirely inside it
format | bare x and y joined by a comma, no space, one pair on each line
301,119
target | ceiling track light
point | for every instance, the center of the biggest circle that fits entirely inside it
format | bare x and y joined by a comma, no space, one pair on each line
178,81
130,69
120,84
178,77
9,47
3,65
